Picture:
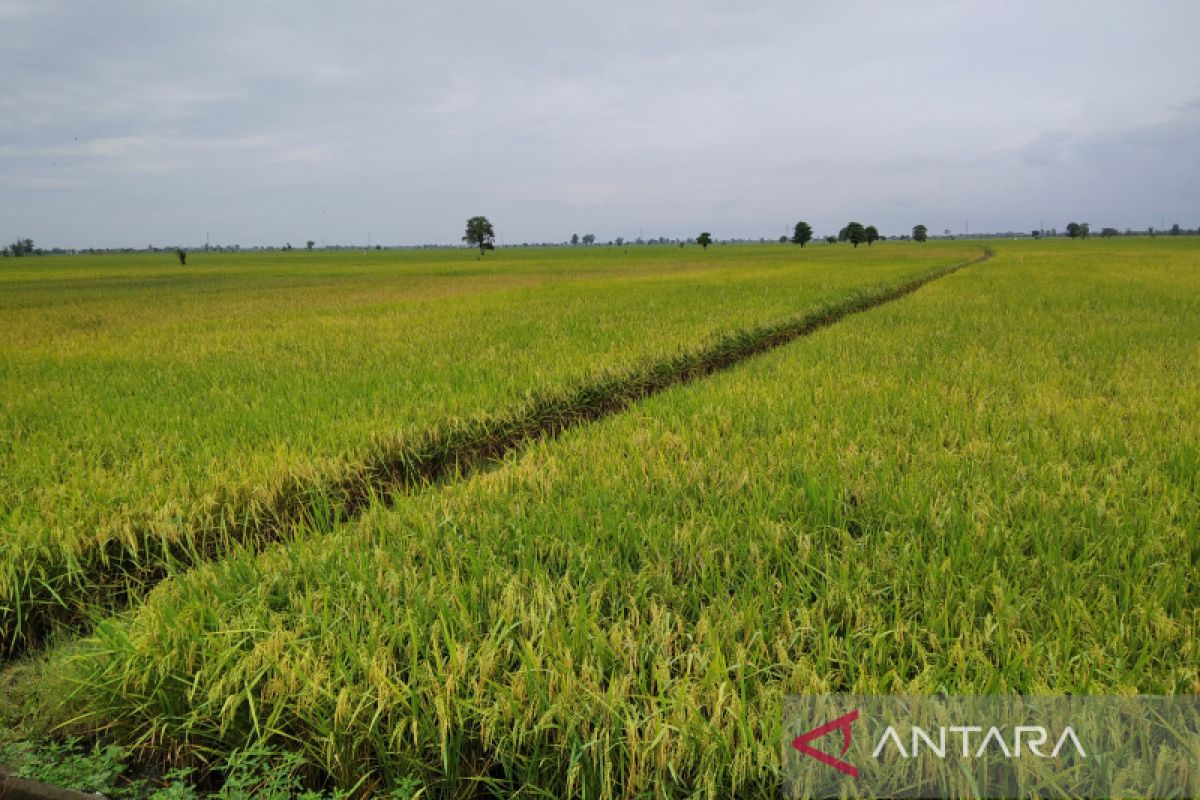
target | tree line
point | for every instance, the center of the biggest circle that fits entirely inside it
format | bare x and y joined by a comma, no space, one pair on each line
482,234
21,247
854,232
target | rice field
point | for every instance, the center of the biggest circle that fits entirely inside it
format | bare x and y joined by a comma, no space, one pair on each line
990,485
157,415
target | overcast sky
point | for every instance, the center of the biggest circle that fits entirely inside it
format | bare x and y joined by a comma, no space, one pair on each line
132,123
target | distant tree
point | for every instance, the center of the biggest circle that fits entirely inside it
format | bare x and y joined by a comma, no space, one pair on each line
21,247
783,239
831,240
803,234
704,239
871,233
854,233
1108,233
480,233
620,240
920,233
310,244
1036,234
1084,230
574,238
181,254
1073,230
589,238
1175,229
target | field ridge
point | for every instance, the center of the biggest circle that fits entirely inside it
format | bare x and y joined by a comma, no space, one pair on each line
122,568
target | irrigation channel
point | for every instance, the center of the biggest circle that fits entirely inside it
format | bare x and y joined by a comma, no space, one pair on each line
448,452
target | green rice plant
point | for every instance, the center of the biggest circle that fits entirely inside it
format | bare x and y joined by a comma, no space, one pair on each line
159,416
986,487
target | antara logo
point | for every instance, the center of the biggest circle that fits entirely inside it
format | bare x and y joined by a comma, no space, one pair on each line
843,724
1025,739
1033,737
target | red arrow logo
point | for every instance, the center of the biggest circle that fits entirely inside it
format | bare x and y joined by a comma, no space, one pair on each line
842,723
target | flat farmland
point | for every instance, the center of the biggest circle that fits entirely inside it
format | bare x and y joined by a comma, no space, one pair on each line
157,415
989,485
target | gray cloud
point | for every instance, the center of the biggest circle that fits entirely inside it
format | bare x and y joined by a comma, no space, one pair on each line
276,121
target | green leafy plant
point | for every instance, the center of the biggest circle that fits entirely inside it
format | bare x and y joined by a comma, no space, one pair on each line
67,763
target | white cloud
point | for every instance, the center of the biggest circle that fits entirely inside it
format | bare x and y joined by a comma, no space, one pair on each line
282,120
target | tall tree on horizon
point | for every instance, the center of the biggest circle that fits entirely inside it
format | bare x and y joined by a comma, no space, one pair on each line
854,233
803,234
480,233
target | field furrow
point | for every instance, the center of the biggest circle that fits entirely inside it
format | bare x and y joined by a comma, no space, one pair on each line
157,438
988,487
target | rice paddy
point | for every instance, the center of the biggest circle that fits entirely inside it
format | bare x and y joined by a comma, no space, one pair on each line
158,415
989,485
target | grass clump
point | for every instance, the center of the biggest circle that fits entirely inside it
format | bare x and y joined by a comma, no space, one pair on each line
255,773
